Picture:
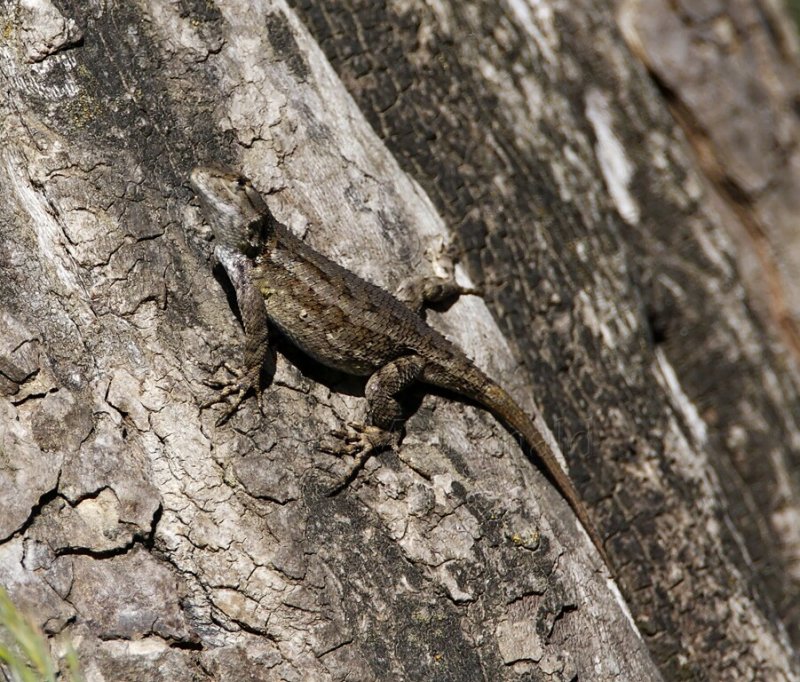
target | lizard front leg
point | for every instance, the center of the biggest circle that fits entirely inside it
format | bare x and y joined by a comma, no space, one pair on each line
256,328
419,293
385,414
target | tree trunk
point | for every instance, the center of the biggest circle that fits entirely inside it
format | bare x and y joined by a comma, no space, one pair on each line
523,140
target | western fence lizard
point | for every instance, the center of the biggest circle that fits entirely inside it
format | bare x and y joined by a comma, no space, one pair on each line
344,322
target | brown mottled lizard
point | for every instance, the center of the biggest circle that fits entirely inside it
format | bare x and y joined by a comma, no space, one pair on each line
346,323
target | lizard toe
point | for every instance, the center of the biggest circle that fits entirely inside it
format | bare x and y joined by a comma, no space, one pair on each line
360,442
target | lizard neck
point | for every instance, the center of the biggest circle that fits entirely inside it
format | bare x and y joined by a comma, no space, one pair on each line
258,235
248,237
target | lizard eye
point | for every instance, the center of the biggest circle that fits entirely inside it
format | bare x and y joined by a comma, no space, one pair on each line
241,182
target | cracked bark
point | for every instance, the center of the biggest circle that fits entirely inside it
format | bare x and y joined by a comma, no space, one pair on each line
529,138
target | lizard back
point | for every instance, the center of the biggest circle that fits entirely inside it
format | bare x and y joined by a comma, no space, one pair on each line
336,317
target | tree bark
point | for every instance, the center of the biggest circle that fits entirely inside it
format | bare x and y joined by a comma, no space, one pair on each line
525,140
731,80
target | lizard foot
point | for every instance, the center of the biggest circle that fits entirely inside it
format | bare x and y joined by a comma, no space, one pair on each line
360,442
241,384
432,292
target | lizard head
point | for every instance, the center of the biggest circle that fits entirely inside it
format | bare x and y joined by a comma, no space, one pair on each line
233,208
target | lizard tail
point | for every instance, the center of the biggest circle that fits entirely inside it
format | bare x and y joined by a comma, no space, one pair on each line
503,406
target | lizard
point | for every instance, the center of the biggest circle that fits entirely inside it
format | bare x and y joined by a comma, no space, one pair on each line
346,323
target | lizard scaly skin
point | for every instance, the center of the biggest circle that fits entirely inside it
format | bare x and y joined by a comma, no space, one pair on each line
346,323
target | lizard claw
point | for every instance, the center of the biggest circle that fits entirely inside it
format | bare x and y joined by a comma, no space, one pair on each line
225,384
359,438
361,442
238,387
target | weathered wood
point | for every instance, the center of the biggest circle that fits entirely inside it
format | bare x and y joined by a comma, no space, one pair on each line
524,134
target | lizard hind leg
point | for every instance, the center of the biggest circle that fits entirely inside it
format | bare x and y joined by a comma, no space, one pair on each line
385,415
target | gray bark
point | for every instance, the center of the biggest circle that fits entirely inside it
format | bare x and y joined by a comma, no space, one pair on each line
525,138
730,76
